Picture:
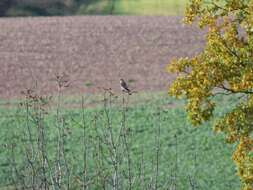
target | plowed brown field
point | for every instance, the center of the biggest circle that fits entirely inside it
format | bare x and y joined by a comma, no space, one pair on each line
92,51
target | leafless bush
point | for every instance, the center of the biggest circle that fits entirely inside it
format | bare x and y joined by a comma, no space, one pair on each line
84,150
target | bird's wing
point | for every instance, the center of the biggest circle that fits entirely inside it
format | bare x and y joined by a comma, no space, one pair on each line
125,86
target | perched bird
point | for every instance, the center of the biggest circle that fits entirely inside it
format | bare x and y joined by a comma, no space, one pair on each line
124,87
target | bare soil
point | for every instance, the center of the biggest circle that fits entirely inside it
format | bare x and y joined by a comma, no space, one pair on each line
92,52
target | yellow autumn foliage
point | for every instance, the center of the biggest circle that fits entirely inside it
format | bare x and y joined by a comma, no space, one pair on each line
225,65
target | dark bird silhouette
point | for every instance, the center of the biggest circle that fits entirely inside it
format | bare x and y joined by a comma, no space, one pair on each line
124,87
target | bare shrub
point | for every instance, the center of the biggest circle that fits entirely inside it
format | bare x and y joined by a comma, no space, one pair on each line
51,148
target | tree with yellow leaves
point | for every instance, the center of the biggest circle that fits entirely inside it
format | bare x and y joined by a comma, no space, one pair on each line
224,65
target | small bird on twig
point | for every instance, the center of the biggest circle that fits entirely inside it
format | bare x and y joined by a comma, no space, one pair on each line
124,87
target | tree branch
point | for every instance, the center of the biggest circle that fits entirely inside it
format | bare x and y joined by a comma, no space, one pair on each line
234,91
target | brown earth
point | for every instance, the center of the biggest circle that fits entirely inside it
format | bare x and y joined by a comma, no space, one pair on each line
92,52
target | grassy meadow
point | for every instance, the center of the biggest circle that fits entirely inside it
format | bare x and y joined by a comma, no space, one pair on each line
143,141
134,7
94,7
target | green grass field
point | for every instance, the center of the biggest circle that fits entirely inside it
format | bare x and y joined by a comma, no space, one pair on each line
135,7
99,7
150,7
154,144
